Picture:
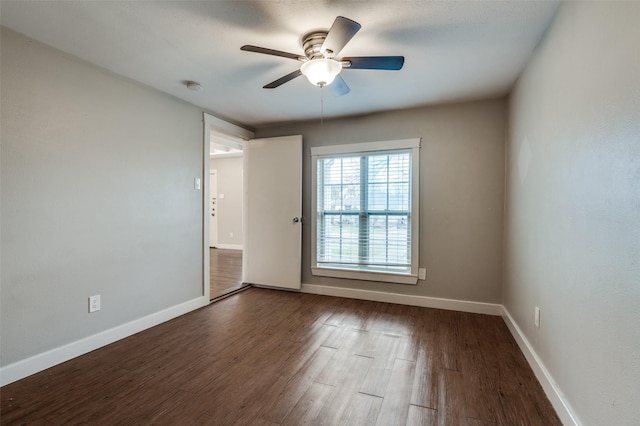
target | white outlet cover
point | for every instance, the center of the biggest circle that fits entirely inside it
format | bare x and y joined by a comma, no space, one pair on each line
94,303
422,273
536,318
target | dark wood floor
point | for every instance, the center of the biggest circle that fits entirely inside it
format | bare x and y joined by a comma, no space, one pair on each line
225,272
265,357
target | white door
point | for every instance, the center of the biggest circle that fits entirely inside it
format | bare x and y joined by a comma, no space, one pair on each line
213,208
273,196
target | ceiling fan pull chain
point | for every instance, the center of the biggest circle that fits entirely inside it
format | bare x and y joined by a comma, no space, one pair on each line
322,105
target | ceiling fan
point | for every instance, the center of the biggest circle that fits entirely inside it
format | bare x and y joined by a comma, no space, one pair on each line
320,63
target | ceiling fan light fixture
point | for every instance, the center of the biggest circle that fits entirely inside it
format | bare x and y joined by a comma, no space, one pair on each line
321,72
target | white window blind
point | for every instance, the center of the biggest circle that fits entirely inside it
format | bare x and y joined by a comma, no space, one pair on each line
364,211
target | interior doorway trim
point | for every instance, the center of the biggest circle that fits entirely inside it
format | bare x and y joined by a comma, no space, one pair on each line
213,198
217,125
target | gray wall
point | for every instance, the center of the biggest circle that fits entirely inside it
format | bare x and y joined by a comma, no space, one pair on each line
230,207
97,198
572,233
461,185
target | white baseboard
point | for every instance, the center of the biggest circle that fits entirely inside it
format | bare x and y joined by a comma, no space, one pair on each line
21,369
559,402
405,299
229,246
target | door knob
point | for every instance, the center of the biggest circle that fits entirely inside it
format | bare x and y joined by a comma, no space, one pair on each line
297,219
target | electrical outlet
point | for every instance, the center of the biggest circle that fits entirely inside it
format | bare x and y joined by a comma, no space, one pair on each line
197,183
231,234
536,317
422,273
94,303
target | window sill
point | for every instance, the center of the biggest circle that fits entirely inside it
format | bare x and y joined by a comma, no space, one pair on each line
365,275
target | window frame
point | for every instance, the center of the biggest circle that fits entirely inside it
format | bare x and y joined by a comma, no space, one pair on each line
369,148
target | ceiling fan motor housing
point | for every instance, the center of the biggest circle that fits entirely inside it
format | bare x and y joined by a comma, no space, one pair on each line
312,42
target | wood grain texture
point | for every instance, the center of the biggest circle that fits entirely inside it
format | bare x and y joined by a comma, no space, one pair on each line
306,411
421,416
394,410
225,272
265,357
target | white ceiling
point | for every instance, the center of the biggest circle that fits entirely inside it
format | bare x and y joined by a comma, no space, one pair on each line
454,50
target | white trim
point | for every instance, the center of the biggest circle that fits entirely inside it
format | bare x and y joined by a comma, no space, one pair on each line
229,246
225,140
213,242
415,208
556,397
26,367
245,213
366,146
363,148
228,128
206,171
227,155
405,299
365,275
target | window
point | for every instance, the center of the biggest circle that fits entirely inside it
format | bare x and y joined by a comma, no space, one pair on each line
366,201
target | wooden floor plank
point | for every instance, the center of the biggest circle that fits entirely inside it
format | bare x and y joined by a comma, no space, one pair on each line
287,399
225,271
449,340
395,406
481,393
266,357
476,422
187,407
421,416
356,368
409,347
334,373
424,391
451,398
309,405
361,409
377,379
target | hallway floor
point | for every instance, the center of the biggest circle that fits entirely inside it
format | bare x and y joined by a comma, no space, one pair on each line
225,271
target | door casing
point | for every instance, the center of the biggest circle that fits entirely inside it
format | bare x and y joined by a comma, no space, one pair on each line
213,213
211,123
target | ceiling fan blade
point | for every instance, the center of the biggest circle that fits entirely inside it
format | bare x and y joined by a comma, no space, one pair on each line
393,63
264,50
342,30
282,80
339,87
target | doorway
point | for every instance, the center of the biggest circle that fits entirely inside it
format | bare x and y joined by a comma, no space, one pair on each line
272,183
226,213
222,265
